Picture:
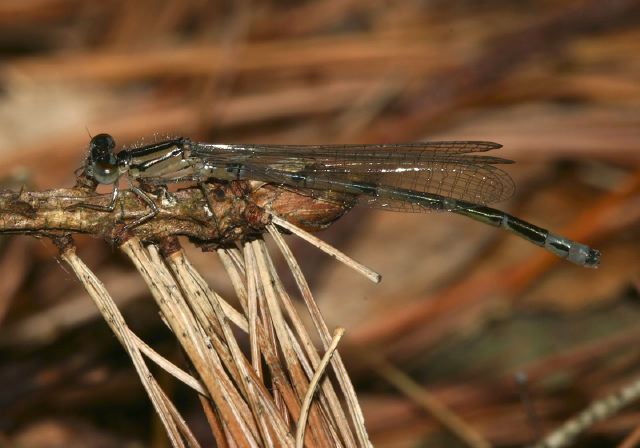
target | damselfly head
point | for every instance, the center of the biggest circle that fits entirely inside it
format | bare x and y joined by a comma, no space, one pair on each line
102,163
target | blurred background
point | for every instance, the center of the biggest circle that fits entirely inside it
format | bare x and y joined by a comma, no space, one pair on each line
463,309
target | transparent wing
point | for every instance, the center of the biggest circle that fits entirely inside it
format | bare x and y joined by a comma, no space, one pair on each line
441,169
354,157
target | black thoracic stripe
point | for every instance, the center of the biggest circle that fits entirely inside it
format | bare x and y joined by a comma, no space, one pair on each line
142,167
157,147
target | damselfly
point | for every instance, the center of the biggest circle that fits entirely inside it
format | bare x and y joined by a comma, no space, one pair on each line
413,177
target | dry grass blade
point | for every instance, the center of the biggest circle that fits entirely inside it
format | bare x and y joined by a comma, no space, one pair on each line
323,331
632,440
596,412
235,415
233,386
300,381
168,366
306,404
177,431
332,251
310,360
208,309
424,399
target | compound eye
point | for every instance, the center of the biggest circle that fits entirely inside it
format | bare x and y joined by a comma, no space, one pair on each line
105,173
102,162
101,147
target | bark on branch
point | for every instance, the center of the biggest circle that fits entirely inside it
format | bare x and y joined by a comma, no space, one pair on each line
228,212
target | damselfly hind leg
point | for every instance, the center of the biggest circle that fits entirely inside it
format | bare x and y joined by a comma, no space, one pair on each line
101,208
152,205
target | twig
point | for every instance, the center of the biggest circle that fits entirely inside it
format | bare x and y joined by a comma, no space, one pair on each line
56,211
235,212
